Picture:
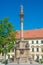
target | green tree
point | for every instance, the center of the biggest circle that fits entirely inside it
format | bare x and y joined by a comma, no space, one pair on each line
7,36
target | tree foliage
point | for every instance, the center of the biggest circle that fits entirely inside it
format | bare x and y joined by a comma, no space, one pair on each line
7,36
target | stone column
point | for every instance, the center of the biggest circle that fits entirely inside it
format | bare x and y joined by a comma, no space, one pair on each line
21,22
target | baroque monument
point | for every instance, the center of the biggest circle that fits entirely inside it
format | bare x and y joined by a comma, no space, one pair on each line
22,53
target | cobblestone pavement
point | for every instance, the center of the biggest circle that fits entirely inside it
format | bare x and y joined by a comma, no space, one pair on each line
25,64
21,64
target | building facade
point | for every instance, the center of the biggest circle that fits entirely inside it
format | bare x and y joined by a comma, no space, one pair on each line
35,41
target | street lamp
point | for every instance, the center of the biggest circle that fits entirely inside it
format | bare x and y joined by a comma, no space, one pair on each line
6,57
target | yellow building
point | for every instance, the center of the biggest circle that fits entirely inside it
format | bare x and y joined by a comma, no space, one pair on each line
35,41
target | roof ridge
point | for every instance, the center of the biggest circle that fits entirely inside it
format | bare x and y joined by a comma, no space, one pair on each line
31,29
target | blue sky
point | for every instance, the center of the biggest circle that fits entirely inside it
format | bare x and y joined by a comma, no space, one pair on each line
33,13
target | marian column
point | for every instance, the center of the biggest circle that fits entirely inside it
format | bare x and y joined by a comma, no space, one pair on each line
21,22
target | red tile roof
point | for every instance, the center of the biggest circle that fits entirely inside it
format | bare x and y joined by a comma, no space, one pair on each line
27,34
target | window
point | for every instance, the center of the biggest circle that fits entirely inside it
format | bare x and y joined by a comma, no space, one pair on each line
42,49
42,57
32,49
33,56
41,41
37,49
32,42
37,57
37,41
27,45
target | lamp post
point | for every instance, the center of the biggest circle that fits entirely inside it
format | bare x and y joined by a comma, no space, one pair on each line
6,61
